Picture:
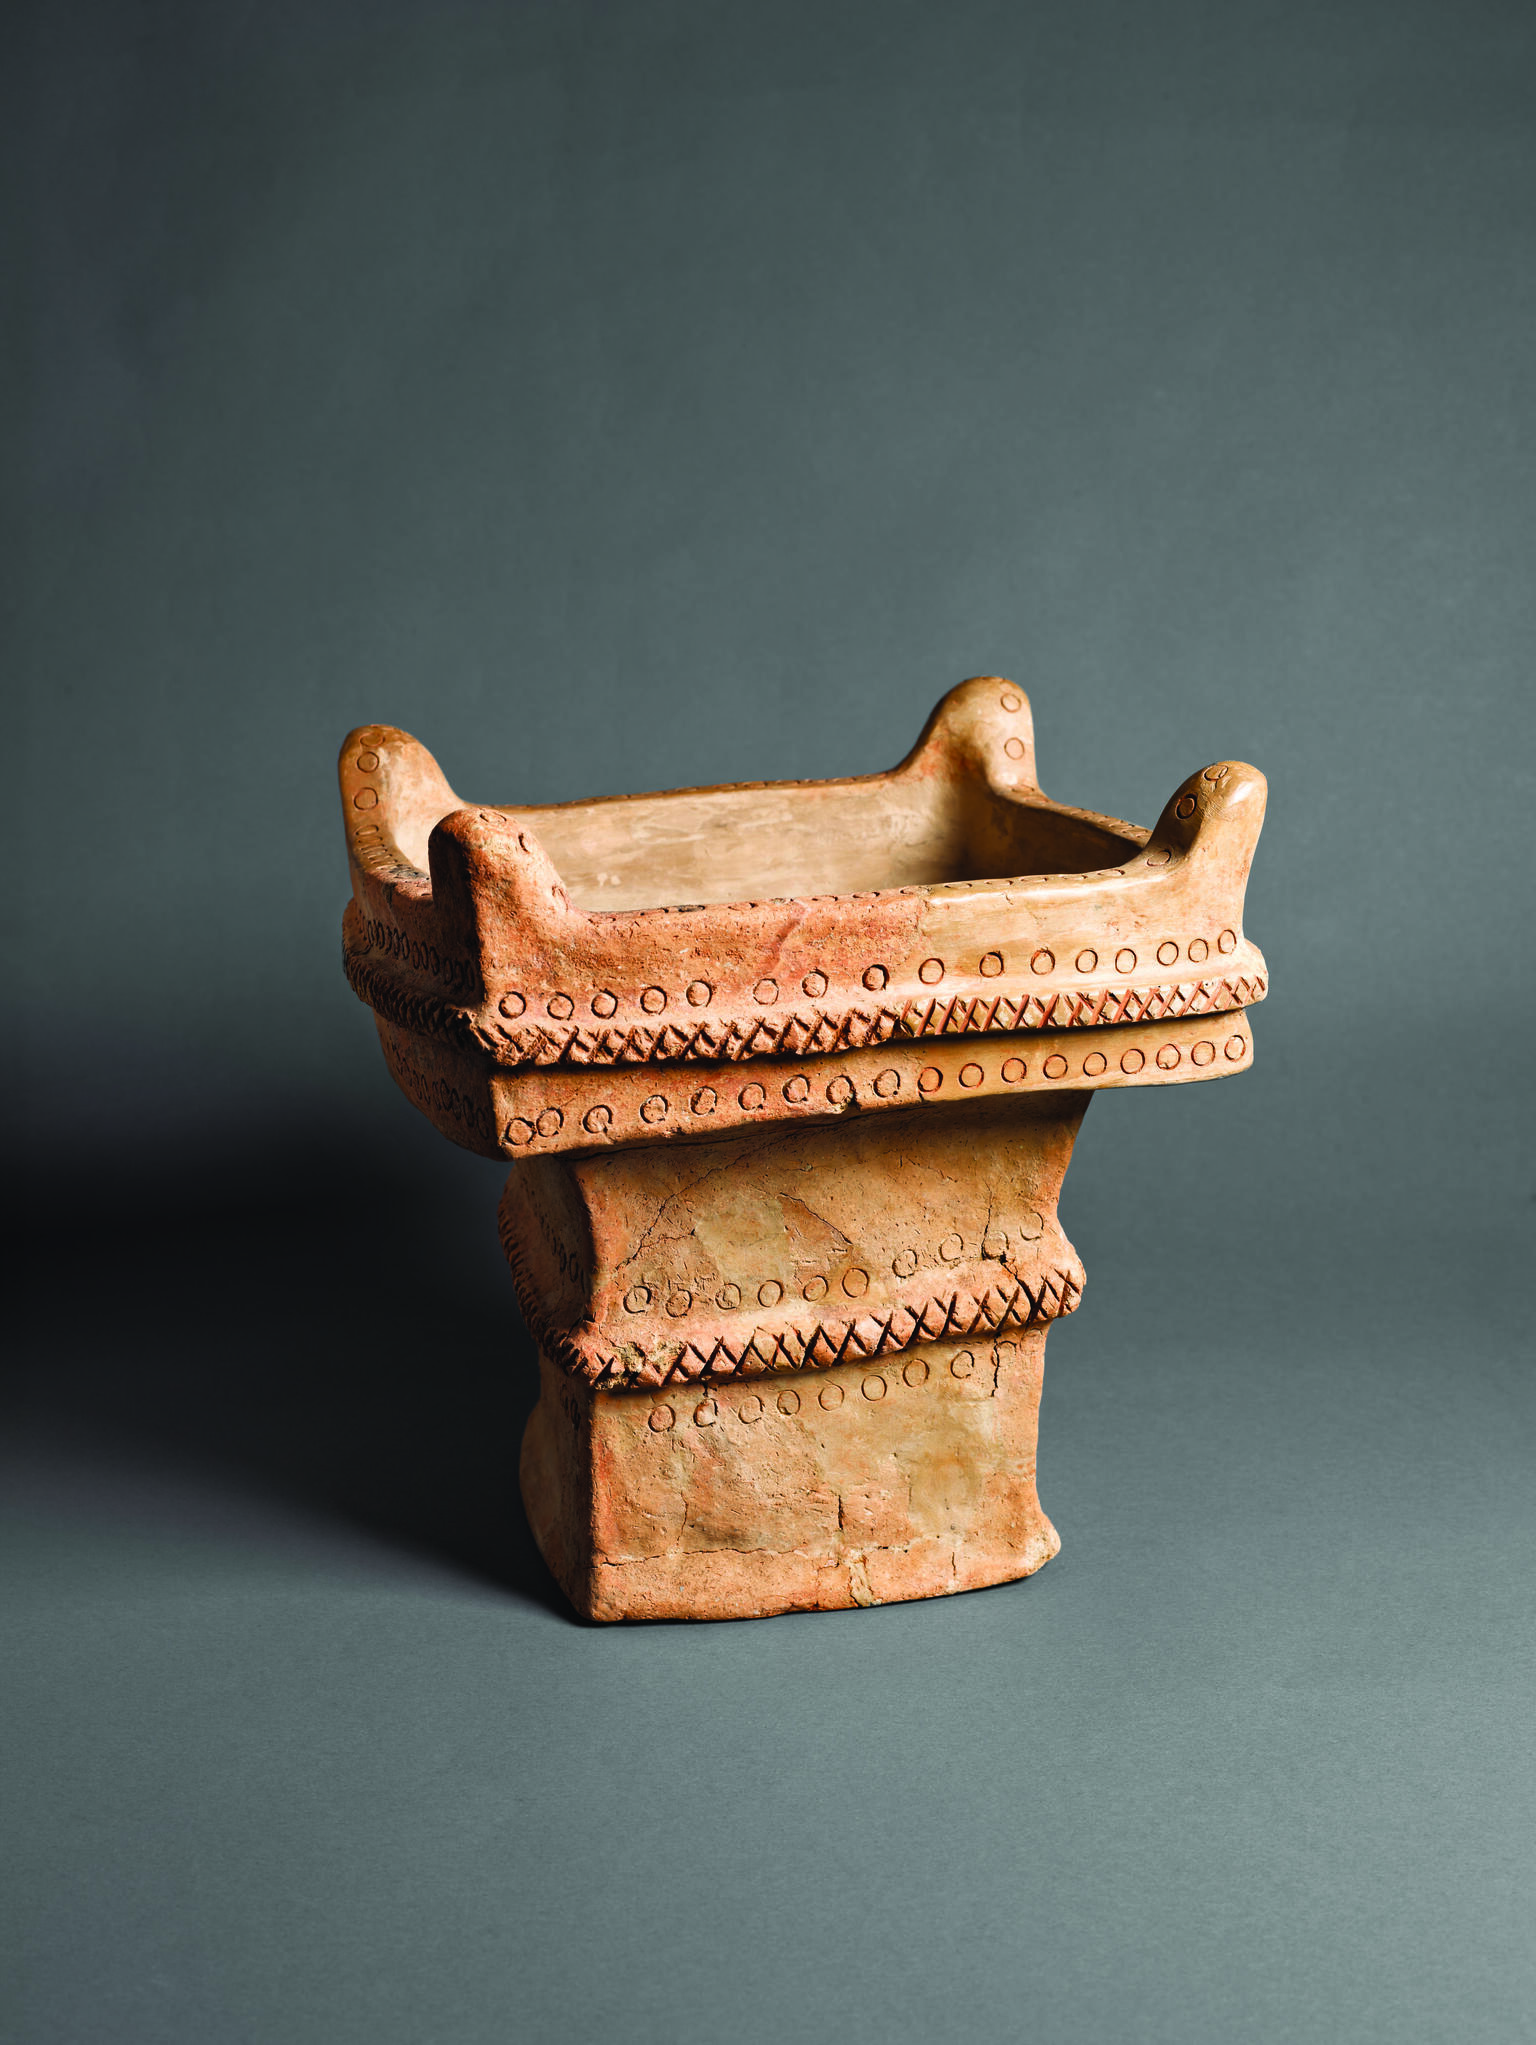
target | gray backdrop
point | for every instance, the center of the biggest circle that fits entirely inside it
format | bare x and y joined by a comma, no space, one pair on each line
619,396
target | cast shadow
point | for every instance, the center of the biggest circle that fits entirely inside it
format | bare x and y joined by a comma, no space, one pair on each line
325,1322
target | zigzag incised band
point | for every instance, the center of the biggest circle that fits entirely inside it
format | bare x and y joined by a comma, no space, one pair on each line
424,1015
798,1033
820,1345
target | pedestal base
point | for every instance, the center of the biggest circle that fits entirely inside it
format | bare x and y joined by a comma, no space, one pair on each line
864,1484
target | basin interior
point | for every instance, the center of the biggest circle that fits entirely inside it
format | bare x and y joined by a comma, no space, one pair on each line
812,838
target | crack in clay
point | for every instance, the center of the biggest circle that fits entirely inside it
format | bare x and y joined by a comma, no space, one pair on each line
640,1561
788,1200
749,1149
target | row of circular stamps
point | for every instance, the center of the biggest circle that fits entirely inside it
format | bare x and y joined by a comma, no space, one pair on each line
886,1087
996,1243
875,979
715,1409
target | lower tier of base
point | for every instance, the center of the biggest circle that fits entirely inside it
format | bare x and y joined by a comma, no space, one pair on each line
810,1491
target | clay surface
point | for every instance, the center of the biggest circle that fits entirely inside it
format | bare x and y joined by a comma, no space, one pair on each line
790,1076
790,1248
857,1486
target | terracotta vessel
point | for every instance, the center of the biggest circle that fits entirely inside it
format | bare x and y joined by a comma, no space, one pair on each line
789,1077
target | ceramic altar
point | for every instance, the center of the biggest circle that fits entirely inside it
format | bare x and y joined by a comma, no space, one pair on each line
788,1076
